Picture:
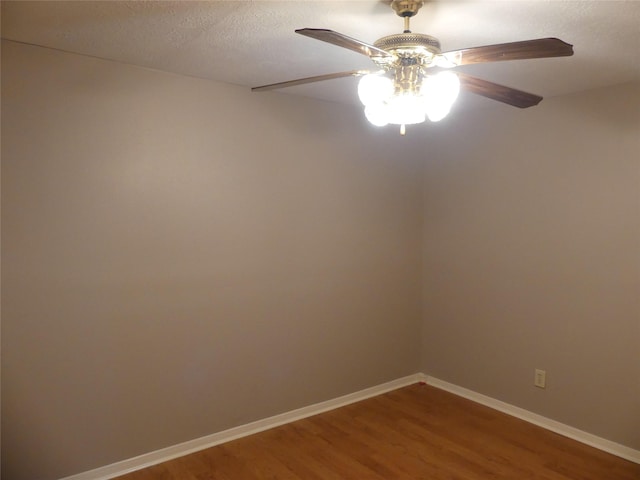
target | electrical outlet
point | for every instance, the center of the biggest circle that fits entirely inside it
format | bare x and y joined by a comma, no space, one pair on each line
540,378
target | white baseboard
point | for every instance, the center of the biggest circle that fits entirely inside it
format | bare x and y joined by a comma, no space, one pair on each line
544,422
169,453
191,446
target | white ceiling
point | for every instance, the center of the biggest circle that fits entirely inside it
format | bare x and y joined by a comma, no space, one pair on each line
252,43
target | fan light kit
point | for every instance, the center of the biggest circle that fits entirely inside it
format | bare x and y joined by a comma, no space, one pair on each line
413,80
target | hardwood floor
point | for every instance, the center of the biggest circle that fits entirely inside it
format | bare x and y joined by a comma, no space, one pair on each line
416,432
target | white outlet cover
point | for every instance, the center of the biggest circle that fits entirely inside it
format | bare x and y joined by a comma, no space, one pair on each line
540,378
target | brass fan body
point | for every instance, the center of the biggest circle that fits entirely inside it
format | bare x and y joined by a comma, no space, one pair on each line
410,55
406,8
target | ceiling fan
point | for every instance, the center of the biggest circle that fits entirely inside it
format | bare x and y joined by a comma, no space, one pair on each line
413,80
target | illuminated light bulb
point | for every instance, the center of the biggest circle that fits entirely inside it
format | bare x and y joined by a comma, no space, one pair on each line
373,89
436,114
377,114
439,92
406,110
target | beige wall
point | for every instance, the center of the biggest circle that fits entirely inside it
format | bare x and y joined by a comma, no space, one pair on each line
181,257
532,258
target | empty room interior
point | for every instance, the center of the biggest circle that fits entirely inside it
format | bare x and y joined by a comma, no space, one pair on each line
187,263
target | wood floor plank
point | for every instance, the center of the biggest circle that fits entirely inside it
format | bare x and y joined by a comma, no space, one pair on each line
413,433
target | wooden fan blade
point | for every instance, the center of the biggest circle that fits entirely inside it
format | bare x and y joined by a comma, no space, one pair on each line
540,48
503,94
343,41
317,78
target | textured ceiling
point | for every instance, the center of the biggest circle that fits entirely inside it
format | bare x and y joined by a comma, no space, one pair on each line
252,43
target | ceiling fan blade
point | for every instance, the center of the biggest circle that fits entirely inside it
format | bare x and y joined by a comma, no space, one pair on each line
317,78
503,94
343,41
540,48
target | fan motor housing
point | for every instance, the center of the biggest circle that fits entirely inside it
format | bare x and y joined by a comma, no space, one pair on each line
410,48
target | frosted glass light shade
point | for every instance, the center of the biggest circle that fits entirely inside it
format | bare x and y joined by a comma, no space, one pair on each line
399,110
384,105
439,92
405,110
374,89
438,112
377,114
